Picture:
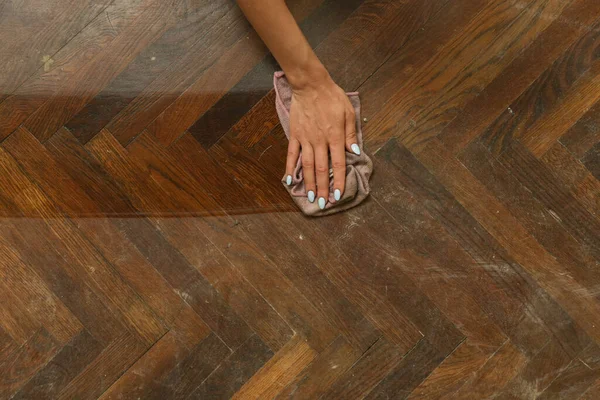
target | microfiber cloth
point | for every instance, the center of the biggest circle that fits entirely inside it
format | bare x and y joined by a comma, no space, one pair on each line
358,167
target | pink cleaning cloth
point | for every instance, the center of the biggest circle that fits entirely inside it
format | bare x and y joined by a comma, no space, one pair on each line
358,167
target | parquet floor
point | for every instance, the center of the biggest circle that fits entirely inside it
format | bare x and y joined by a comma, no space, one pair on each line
148,250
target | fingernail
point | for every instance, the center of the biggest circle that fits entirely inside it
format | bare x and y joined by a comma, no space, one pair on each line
355,149
337,195
311,196
288,180
322,203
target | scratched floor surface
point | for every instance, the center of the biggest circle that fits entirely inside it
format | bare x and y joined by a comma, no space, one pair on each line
148,249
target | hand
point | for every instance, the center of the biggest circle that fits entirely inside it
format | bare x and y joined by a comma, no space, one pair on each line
322,124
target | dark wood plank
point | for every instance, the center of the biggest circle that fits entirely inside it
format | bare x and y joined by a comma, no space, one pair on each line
409,372
592,160
111,60
40,307
494,217
219,78
34,92
540,220
232,373
453,372
582,136
105,369
428,100
83,258
193,370
26,362
321,374
498,95
494,375
188,235
62,21
64,367
190,28
538,373
518,320
236,246
279,371
367,372
575,380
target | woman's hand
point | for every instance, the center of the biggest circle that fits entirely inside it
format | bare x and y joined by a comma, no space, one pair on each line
322,124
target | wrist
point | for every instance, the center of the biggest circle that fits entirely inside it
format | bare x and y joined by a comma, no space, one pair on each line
308,75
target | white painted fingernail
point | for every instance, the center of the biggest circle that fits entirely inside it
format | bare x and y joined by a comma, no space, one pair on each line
337,195
311,196
355,149
288,180
322,203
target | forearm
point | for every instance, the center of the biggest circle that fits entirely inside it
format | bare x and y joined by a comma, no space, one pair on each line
276,26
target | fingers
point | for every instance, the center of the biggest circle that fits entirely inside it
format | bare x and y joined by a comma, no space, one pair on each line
292,160
351,141
308,170
322,171
338,163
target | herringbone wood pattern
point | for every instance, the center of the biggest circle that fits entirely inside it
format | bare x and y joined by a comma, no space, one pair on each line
148,250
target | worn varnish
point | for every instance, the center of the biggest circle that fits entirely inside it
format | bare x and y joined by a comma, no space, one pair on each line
148,250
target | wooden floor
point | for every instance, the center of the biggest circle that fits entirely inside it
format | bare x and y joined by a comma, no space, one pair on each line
148,249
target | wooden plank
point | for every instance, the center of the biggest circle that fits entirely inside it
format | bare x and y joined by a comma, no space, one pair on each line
232,373
447,273
515,308
517,77
40,304
452,373
369,370
545,93
571,383
162,91
14,318
237,247
428,99
66,62
262,228
26,362
191,25
37,248
63,20
554,123
494,375
279,371
504,227
143,377
573,175
188,235
193,370
105,369
541,182
409,372
592,160
582,136
83,259
544,224
92,77
538,373
66,365
325,369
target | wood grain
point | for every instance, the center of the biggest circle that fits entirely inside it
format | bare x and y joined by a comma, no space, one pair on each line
149,250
